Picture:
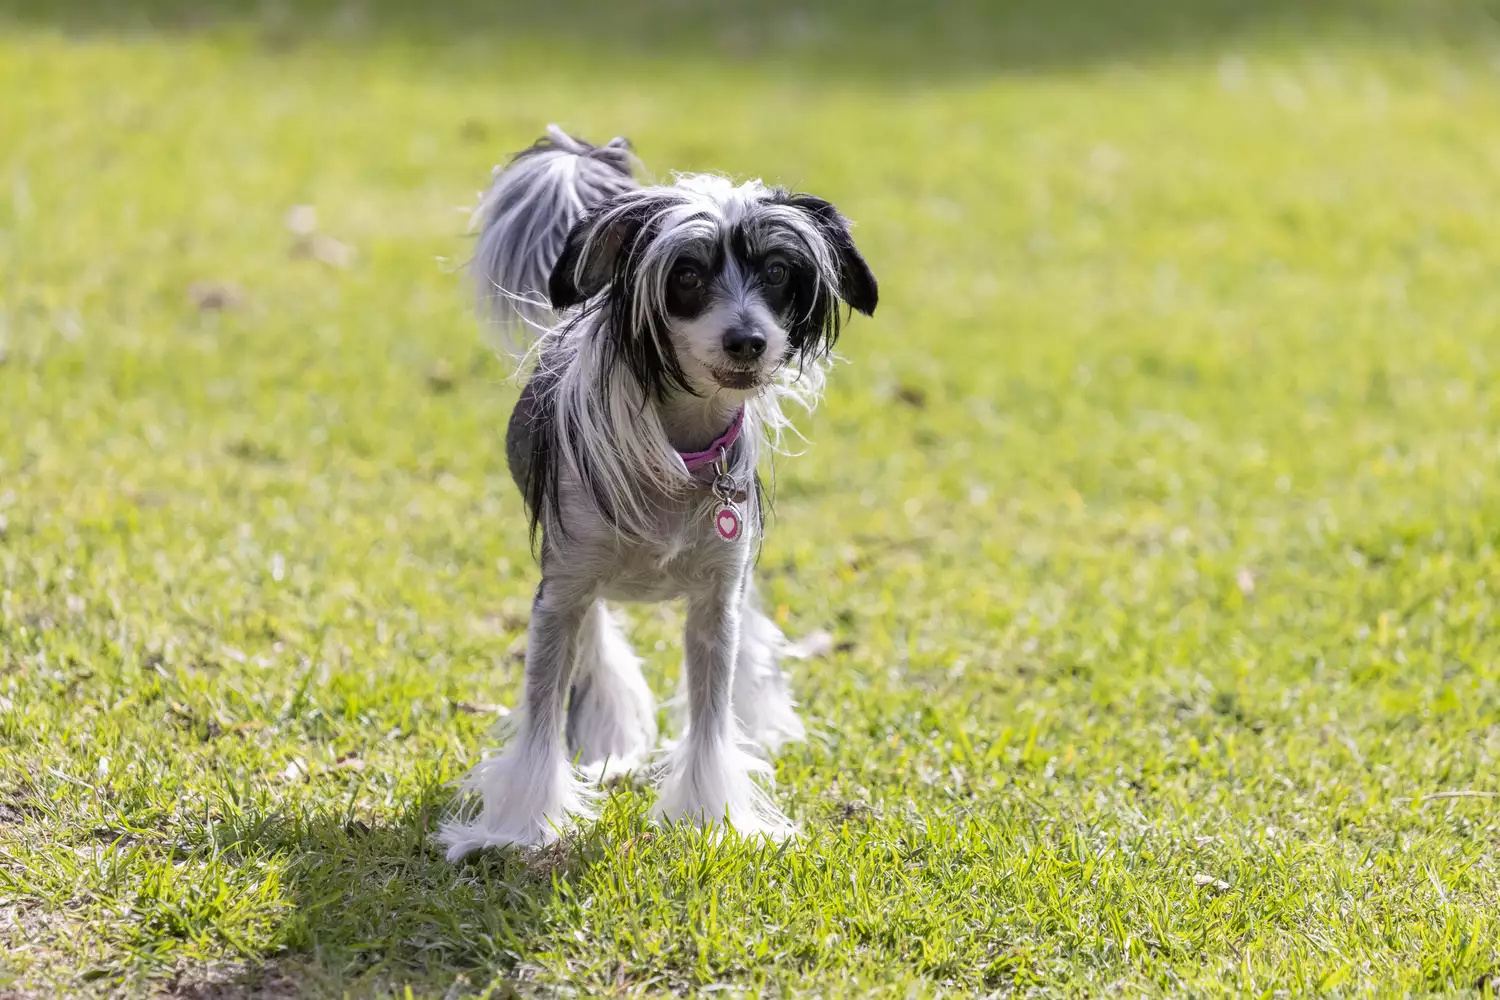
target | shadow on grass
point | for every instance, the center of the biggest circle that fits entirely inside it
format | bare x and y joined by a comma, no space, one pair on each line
367,910
372,908
861,39
377,907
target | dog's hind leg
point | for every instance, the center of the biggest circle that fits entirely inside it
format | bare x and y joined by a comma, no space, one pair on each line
529,791
762,696
611,712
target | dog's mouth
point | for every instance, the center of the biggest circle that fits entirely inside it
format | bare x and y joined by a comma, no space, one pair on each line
732,378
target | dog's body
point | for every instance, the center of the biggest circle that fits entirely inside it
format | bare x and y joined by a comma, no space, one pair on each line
676,319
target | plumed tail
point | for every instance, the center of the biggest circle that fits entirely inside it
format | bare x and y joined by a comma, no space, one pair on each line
524,219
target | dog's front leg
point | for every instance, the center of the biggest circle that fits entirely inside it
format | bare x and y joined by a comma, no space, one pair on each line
529,791
709,776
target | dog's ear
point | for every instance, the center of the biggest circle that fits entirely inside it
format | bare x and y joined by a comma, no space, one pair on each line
857,284
589,256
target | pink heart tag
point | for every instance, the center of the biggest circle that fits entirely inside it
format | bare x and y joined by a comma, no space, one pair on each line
727,523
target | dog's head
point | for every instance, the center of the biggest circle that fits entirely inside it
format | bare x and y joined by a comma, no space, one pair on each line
711,287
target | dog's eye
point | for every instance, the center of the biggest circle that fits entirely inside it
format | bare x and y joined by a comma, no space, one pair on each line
775,272
687,278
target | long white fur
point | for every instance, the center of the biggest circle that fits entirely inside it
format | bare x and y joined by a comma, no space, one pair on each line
621,439
613,435
763,703
528,794
710,779
612,716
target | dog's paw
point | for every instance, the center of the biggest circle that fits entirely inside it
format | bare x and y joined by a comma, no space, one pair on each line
515,799
718,787
460,839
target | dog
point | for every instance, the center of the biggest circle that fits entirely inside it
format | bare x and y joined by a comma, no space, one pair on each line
668,326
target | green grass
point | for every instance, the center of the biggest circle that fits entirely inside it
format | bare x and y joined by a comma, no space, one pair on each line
1155,514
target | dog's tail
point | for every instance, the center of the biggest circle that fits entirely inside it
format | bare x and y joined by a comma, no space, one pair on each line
524,219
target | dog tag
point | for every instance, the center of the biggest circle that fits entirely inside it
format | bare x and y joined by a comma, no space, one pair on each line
727,522
726,514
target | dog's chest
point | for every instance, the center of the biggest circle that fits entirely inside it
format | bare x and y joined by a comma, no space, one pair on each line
686,556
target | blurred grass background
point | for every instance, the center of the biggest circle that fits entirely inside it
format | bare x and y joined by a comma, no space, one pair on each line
1154,514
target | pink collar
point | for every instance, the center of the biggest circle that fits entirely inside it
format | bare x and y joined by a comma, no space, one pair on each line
695,460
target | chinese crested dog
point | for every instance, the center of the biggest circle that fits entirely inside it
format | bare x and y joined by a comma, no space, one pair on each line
670,326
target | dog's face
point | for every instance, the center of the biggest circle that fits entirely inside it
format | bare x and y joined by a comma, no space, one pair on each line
727,313
713,288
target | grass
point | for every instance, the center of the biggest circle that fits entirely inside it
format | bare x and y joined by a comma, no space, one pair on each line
1155,514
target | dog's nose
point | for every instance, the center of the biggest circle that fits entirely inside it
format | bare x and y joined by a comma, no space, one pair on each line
744,344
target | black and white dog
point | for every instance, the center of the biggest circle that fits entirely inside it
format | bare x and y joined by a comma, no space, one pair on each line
672,322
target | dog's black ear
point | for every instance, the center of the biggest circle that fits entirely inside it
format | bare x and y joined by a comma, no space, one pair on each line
588,259
857,284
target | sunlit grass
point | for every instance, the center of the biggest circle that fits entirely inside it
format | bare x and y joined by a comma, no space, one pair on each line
1154,514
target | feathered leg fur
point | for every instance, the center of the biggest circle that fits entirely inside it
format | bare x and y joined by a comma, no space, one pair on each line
611,712
762,696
